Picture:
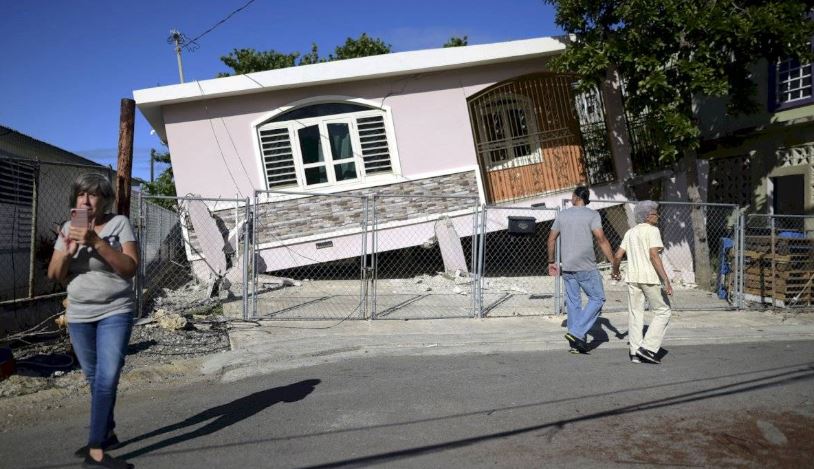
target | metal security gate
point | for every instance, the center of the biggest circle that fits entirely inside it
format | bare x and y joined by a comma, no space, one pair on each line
311,256
424,267
514,261
529,137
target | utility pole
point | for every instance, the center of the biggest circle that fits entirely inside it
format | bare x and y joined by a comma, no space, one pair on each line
124,167
176,37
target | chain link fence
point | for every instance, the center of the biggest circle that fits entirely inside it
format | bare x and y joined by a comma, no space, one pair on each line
287,255
194,255
709,283
34,202
514,262
778,260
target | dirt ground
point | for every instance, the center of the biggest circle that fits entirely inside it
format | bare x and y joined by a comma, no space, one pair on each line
49,363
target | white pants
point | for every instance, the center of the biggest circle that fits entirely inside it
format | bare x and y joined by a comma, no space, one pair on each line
659,305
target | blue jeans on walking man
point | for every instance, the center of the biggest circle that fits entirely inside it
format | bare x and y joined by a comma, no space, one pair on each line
580,320
101,347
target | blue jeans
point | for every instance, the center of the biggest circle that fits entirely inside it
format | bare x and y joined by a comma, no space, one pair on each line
580,320
101,347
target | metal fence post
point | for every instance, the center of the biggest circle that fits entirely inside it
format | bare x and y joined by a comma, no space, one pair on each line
773,241
246,240
482,258
363,274
254,254
559,298
32,279
140,272
373,256
737,260
473,271
741,278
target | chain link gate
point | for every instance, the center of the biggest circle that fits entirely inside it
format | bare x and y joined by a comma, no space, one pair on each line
425,263
778,260
709,284
311,256
194,255
513,262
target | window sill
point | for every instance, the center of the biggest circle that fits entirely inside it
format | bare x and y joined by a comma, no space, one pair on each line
335,188
792,105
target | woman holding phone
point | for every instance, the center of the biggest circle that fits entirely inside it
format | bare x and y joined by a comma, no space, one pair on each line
96,255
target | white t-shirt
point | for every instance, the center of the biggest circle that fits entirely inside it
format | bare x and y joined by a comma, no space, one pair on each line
637,243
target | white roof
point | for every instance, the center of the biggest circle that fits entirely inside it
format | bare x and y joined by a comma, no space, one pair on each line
150,100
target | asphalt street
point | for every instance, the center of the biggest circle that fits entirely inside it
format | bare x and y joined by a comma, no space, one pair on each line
746,405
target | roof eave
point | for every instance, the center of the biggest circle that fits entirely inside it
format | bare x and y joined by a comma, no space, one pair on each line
151,100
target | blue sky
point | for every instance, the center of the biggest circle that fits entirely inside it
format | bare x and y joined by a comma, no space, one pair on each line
68,64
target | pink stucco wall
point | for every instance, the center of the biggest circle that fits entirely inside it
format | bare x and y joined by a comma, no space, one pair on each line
212,143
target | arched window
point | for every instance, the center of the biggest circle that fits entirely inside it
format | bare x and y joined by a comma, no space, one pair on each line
508,131
324,143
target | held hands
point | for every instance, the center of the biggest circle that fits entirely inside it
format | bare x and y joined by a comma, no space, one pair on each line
616,275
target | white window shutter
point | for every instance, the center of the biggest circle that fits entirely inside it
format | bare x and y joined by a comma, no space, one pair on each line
375,149
278,157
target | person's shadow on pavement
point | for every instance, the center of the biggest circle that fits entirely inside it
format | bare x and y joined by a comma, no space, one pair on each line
598,334
224,415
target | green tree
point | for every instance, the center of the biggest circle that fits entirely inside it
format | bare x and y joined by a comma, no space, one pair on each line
671,52
311,57
456,41
243,61
363,46
164,184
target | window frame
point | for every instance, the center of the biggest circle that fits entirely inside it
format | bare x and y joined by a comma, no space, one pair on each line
774,71
502,105
362,178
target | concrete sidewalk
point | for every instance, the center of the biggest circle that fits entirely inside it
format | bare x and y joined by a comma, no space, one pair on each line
280,345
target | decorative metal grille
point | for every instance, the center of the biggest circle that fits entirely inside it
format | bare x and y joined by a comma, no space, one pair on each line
531,139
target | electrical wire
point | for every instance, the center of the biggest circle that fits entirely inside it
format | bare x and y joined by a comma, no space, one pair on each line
217,141
34,331
192,43
237,154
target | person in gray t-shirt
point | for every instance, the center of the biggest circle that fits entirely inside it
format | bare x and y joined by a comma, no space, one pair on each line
97,257
577,227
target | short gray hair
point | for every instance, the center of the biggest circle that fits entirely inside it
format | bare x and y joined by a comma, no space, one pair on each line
643,209
93,183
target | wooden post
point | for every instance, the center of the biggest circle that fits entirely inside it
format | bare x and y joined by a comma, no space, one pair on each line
124,167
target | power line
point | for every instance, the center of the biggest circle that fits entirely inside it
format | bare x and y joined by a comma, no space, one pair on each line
192,44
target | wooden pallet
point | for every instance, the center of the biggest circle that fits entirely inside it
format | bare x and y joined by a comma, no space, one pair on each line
782,246
752,259
786,283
